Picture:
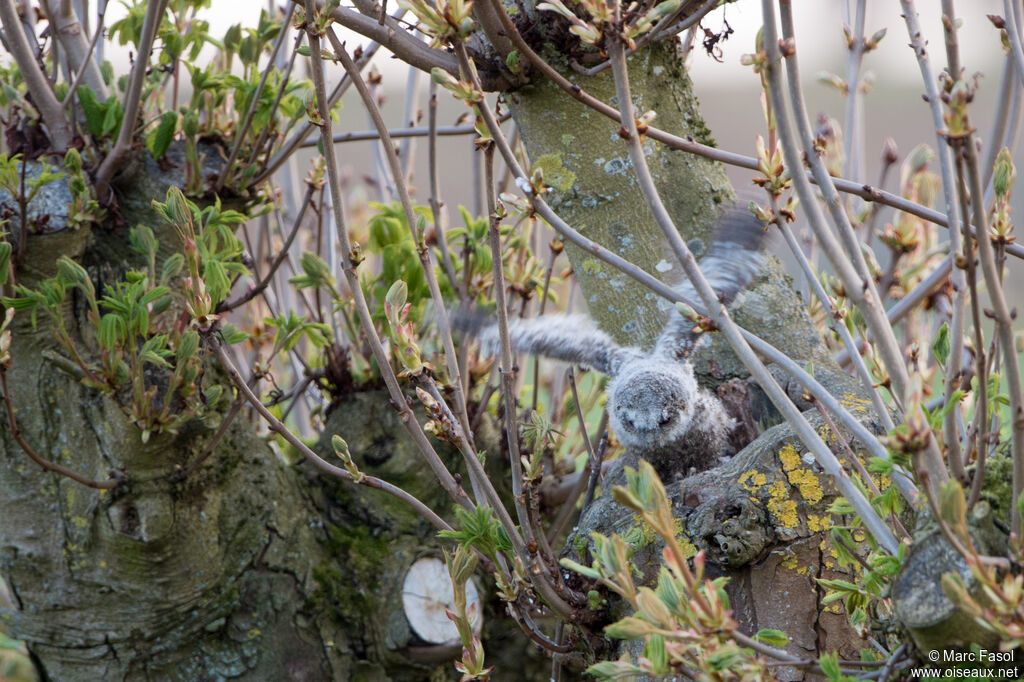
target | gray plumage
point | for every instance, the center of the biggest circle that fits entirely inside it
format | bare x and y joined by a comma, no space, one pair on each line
655,405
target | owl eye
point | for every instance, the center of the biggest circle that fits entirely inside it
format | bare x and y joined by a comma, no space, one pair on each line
665,419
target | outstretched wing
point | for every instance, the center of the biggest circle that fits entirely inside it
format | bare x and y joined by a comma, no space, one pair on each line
736,257
572,338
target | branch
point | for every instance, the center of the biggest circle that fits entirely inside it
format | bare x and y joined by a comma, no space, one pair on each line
810,384
348,268
298,138
278,260
132,98
69,98
247,121
849,275
864,191
658,32
38,85
315,459
441,310
407,48
435,188
71,35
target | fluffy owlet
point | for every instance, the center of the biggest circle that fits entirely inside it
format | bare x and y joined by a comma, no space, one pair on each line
655,406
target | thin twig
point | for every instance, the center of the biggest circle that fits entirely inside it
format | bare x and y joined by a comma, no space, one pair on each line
362,135
852,279
222,431
435,193
675,142
853,124
315,459
663,29
507,367
810,384
243,129
990,270
257,148
441,311
844,254
406,46
348,268
851,347
299,137
591,464
282,255
507,372
69,98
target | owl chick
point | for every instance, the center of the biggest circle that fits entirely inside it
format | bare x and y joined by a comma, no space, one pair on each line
655,406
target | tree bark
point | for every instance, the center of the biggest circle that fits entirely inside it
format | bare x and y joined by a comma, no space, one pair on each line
253,569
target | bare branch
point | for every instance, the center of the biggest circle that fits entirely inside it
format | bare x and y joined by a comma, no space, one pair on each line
117,478
247,121
348,268
313,458
132,98
70,33
42,93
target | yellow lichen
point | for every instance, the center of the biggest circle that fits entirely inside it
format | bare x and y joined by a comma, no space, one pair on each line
854,402
781,507
800,478
752,480
789,457
817,523
689,550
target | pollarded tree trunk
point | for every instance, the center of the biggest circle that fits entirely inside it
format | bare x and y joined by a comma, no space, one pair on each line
210,577
251,569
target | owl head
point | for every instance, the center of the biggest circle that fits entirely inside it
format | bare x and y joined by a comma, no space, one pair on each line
651,402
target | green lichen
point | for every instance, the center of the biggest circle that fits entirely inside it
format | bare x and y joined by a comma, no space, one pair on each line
555,173
347,582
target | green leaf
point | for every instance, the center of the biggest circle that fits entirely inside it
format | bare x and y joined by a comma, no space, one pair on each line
91,109
585,571
940,346
5,261
160,138
630,627
616,670
188,345
111,118
171,267
776,638
154,294
232,334
656,653
111,332
155,352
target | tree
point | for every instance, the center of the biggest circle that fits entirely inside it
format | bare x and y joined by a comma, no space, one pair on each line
203,477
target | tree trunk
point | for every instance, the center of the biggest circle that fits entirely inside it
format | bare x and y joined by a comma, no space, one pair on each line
253,569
